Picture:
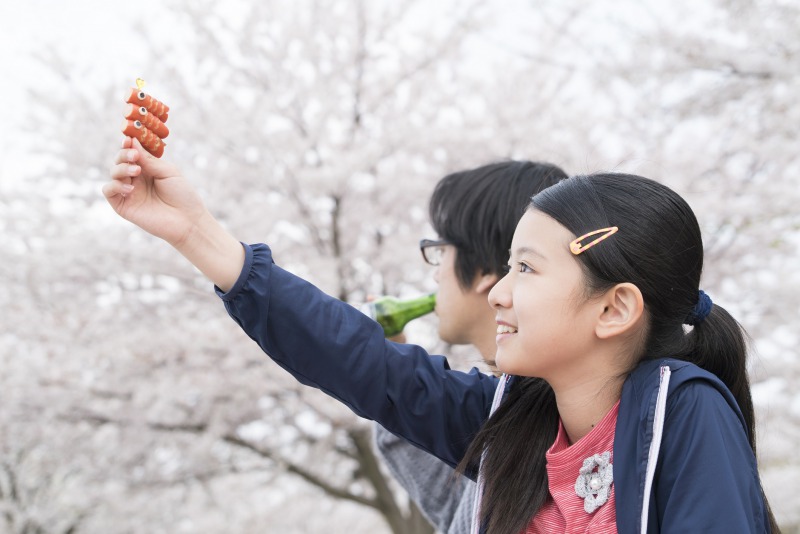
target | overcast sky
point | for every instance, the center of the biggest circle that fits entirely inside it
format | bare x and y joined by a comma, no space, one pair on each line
95,32
98,37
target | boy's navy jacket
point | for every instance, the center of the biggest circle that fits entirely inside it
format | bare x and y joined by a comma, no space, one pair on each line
705,477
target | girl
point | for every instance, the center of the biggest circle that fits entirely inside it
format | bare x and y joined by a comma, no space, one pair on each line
625,404
474,213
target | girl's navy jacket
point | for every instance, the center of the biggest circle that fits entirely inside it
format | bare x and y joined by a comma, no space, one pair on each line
682,462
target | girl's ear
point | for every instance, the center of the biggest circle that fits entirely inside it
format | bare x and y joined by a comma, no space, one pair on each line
623,307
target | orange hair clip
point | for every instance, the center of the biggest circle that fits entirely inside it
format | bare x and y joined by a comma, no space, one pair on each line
576,247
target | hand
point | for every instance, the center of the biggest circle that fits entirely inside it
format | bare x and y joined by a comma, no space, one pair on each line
153,194
398,338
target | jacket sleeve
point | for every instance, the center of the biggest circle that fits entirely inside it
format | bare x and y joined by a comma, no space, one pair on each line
444,497
707,479
328,344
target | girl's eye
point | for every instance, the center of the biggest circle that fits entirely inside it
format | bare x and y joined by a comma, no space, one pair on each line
524,268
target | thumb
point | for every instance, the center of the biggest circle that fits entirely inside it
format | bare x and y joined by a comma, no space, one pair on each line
152,165
145,157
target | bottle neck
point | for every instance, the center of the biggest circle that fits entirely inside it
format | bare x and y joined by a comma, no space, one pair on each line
419,306
394,314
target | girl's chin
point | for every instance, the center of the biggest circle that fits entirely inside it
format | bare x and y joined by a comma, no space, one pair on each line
504,365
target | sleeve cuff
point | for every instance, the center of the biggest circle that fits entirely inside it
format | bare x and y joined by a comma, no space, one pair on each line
237,287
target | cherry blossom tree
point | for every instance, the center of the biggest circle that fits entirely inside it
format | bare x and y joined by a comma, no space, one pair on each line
132,403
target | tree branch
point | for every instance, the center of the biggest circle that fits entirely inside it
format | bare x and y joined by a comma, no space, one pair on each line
301,472
370,466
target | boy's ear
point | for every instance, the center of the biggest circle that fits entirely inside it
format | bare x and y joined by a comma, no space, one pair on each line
485,282
623,308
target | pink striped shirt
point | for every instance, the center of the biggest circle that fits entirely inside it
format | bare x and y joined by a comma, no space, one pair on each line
564,510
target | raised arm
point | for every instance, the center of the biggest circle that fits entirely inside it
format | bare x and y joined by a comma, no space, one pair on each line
154,195
322,341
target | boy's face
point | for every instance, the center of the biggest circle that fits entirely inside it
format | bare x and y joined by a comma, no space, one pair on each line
448,295
462,312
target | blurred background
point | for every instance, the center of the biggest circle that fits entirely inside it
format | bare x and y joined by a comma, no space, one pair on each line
130,401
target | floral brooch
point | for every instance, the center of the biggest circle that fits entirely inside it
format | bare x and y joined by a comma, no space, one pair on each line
594,481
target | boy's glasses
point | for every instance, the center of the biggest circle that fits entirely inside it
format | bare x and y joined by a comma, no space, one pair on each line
432,250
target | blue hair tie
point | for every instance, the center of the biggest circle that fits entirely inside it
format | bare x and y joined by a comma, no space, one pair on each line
701,309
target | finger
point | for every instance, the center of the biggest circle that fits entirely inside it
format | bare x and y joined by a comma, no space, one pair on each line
127,155
398,338
115,188
126,142
124,171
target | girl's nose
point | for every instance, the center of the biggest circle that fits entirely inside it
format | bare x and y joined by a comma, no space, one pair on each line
500,294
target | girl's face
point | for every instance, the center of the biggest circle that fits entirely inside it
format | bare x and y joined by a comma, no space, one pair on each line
545,324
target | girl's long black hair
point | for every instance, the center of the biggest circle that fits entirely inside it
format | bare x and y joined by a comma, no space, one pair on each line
659,249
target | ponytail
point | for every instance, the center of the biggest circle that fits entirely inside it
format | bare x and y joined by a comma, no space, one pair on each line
718,344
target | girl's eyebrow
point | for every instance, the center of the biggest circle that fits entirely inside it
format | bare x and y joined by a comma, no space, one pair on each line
528,250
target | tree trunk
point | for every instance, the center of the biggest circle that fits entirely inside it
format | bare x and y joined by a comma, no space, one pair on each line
412,522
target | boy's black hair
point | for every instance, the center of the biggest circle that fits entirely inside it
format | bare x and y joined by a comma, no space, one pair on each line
477,211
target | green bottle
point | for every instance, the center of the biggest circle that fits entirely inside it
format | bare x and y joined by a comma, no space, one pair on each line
393,314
